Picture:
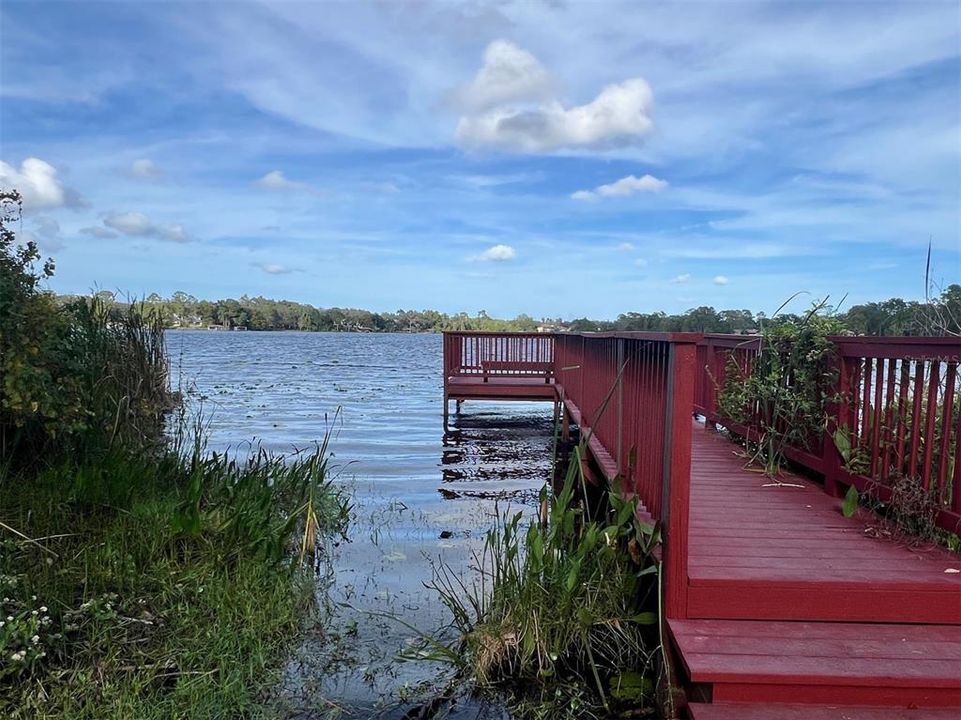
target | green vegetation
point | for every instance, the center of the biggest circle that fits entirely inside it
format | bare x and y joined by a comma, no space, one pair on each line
788,390
939,316
140,575
564,619
788,394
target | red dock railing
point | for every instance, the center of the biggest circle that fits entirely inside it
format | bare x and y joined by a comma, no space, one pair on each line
898,421
754,570
473,353
630,393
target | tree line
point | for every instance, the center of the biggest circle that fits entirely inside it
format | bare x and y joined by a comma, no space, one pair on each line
939,315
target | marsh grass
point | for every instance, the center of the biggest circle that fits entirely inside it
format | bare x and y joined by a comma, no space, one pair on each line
141,576
176,598
563,617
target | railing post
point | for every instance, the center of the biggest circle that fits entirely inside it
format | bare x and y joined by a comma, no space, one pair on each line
711,376
838,417
675,497
620,405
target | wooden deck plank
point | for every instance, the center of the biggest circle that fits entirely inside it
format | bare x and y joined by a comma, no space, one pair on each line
785,551
466,387
735,711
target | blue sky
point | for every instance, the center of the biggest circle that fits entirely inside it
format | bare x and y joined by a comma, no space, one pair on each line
553,158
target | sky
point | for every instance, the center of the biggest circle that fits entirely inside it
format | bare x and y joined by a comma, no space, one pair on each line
551,158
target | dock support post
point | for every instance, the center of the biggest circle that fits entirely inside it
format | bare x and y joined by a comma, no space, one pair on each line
446,408
565,423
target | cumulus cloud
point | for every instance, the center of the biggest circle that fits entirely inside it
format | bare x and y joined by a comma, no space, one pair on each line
509,106
135,224
681,279
622,188
144,168
38,183
276,180
721,280
509,73
498,253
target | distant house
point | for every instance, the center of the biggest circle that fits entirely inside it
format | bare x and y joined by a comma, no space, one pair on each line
551,328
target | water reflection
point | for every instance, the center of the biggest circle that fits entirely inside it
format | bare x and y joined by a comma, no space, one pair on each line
420,497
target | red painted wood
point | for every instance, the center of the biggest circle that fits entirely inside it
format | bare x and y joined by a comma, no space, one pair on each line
946,429
677,475
790,601
750,661
855,694
744,561
769,711
886,387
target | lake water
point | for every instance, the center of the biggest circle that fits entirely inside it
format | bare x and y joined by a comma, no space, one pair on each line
420,497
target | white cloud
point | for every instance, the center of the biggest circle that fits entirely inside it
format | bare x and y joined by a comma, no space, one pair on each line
131,223
509,73
38,183
641,262
681,279
626,247
174,233
510,107
98,232
498,253
276,180
135,224
622,188
274,268
721,280
144,168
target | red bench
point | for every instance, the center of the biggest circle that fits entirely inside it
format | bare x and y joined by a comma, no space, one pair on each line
502,368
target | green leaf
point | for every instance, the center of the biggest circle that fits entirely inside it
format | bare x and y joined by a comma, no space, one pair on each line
850,504
842,442
644,618
631,686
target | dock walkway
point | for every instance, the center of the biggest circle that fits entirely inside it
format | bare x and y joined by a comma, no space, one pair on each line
777,605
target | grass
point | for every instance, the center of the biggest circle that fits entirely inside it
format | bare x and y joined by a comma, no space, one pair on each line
156,587
140,576
564,617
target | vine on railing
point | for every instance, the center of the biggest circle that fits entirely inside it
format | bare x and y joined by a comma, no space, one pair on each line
786,391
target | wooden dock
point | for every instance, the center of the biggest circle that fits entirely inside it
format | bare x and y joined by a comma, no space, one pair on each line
777,605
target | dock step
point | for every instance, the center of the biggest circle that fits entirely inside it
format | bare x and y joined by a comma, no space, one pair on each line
735,711
845,664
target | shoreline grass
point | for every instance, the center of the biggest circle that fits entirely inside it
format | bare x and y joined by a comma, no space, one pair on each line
114,609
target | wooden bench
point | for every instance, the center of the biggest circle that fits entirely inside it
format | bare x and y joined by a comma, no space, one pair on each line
501,368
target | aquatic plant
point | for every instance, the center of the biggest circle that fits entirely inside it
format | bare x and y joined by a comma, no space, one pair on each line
563,616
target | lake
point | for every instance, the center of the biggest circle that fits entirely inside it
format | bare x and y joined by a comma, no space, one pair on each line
420,497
